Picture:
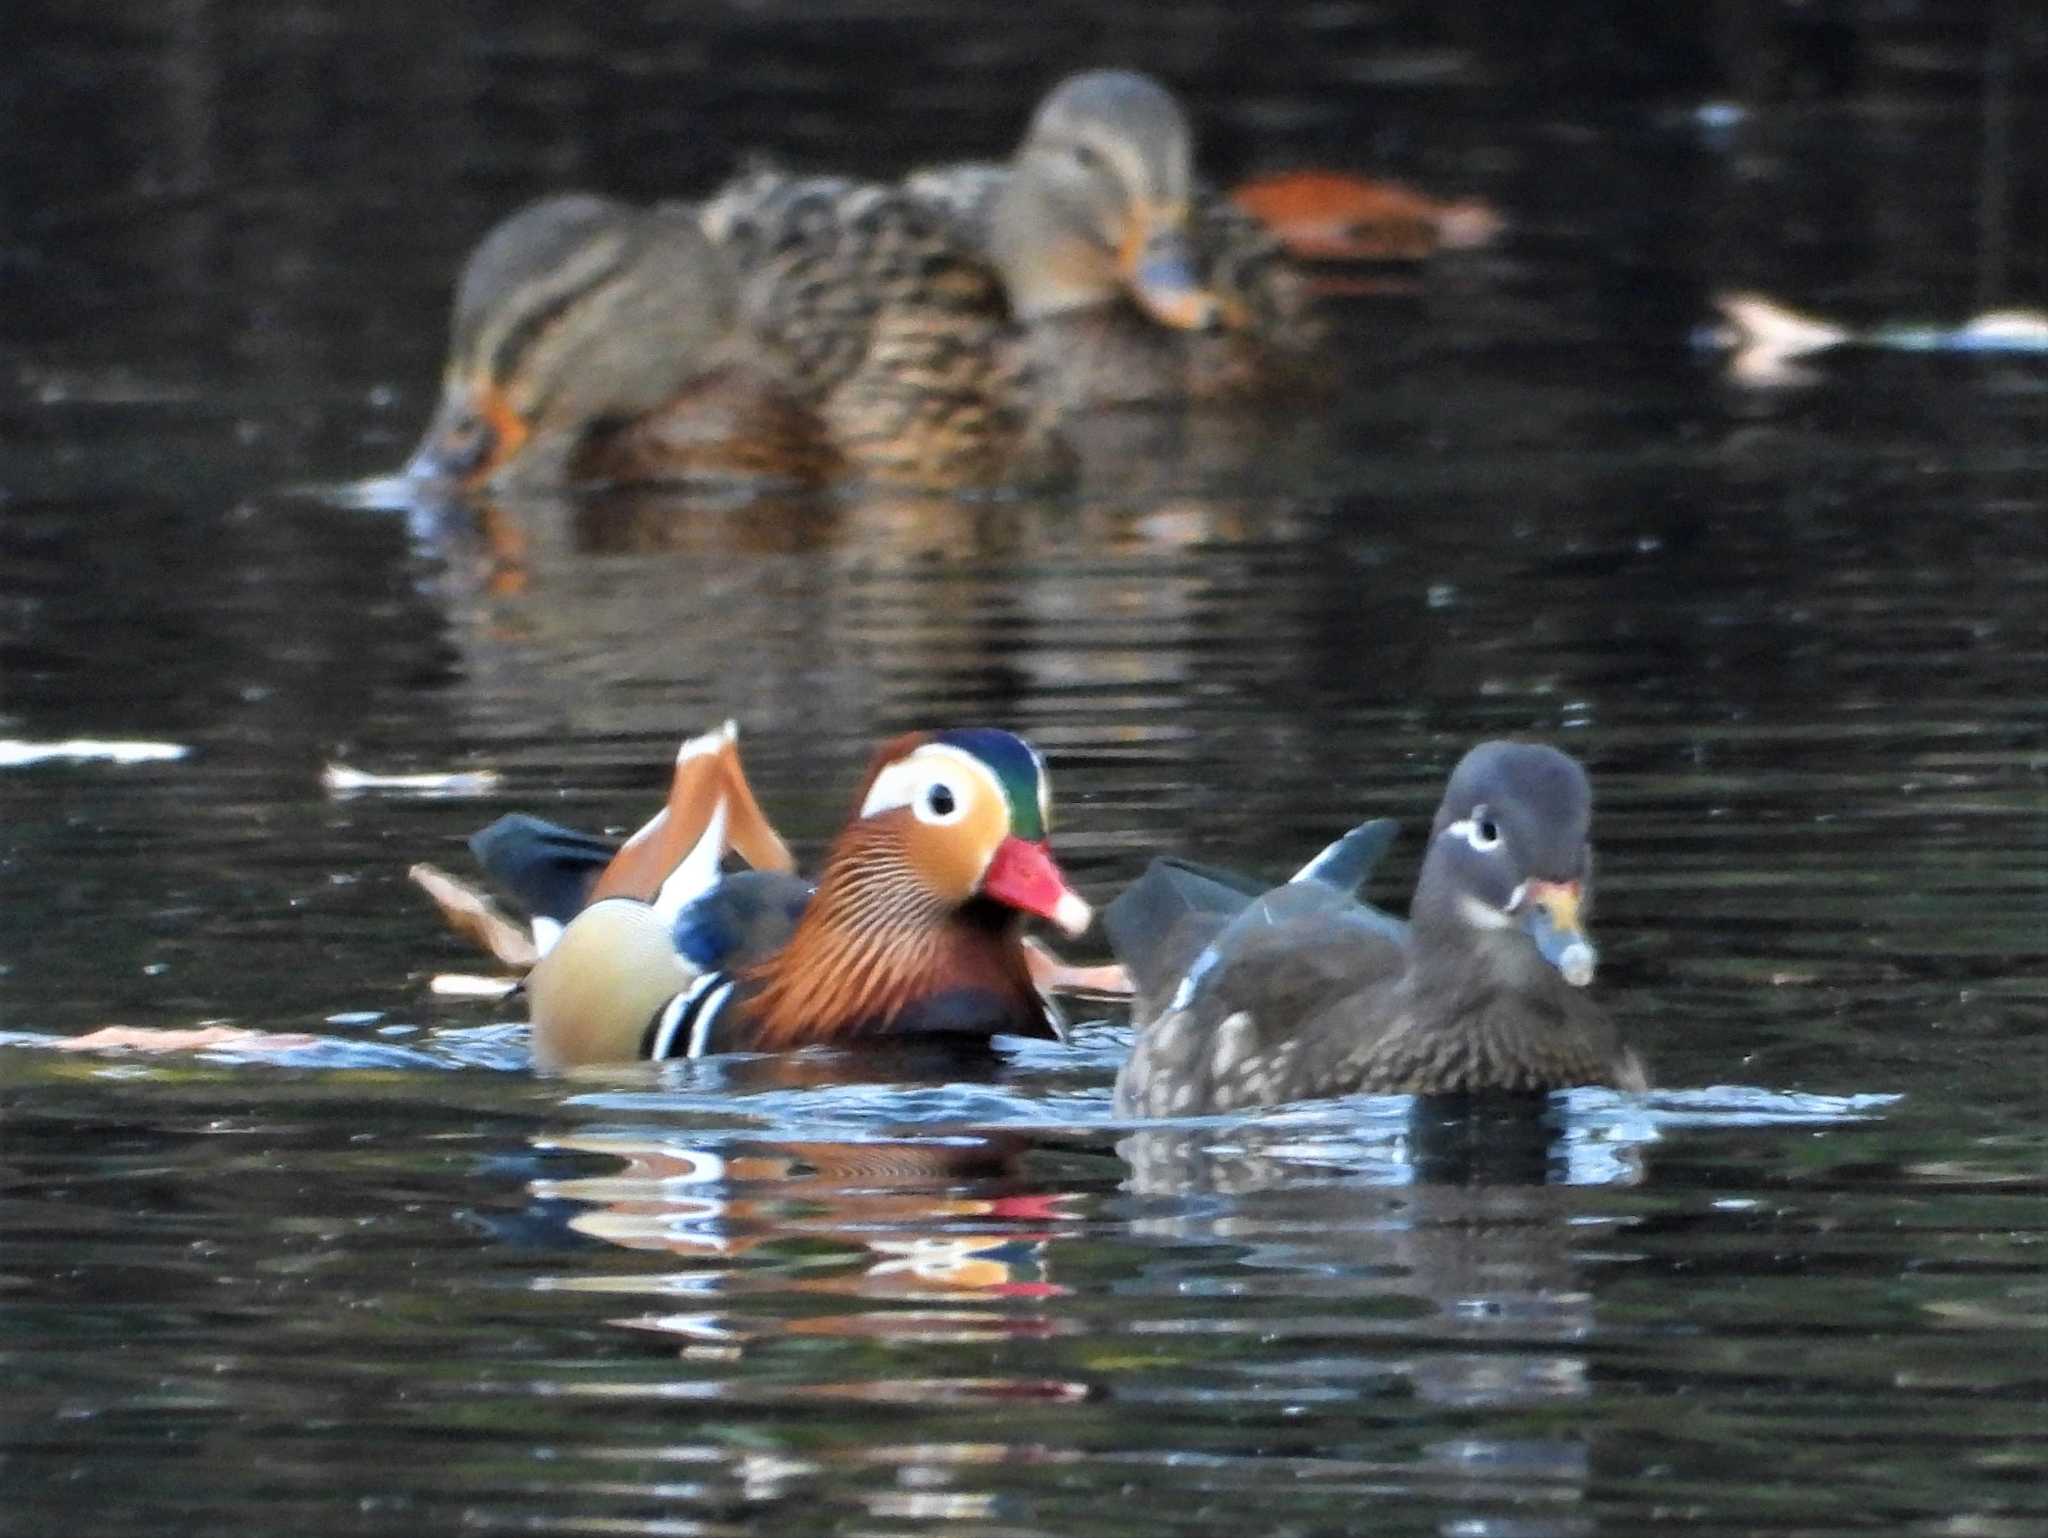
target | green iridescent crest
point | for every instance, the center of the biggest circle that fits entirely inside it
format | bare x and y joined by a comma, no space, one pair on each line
1016,764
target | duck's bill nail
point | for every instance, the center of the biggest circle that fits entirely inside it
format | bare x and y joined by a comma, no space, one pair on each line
473,433
1023,875
1161,274
1551,915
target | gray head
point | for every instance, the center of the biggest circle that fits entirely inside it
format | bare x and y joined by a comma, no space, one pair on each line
1511,857
1099,202
573,310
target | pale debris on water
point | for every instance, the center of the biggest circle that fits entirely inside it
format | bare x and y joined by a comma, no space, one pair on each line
204,1038
1763,324
18,754
468,985
341,780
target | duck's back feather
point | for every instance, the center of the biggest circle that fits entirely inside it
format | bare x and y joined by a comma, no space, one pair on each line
882,319
1174,918
1162,921
1235,1032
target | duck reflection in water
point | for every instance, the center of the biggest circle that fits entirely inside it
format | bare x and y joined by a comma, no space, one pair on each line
1468,1220
946,1221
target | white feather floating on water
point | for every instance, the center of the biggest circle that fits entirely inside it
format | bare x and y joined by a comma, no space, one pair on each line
341,780
17,754
469,985
1765,325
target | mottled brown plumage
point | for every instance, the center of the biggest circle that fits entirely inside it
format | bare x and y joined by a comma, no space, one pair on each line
595,341
883,324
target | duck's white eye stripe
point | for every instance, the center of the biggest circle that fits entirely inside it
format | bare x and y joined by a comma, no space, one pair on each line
906,782
1478,830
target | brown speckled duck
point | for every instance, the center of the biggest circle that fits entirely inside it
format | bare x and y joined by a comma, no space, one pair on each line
825,330
1305,991
595,341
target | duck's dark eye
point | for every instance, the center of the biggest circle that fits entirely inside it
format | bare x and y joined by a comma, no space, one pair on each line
1087,157
1479,830
467,445
940,799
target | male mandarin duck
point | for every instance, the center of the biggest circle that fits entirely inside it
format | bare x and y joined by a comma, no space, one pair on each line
914,929
595,341
1305,991
1134,284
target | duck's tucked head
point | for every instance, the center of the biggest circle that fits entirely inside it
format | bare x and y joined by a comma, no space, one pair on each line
574,311
1099,201
949,817
1510,859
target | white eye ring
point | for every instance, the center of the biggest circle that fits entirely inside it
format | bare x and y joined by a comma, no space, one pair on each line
1479,830
939,802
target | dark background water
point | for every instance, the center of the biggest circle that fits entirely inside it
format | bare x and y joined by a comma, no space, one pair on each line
390,1282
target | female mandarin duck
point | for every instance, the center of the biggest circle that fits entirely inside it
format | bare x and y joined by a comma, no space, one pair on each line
915,927
1305,991
1134,284
597,342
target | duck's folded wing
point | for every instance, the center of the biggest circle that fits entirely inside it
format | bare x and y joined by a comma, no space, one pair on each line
1240,1029
1264,292
1166,918
967,191
745,918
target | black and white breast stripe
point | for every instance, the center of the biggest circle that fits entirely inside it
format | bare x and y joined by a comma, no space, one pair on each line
683,1028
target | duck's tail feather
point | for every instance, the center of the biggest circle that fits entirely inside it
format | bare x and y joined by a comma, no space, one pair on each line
1348,863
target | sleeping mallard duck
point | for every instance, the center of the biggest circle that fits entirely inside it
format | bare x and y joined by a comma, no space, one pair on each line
1134,283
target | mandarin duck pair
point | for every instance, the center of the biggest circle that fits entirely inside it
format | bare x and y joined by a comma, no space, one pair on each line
928,331
915,931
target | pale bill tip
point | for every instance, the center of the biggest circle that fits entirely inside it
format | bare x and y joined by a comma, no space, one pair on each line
1073,915
1576,964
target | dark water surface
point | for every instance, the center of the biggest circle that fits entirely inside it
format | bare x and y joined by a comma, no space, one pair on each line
390,1282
